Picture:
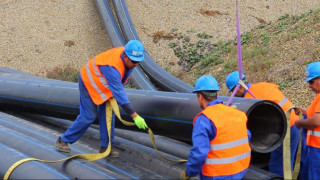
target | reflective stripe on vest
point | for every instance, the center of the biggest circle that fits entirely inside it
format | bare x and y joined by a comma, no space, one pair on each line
229,151
102,95
95,82
227,160
229,144
96,71
314,133
313,138
283,101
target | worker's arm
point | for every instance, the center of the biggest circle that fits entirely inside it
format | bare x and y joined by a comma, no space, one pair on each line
309,123
249,134
116,86
203,132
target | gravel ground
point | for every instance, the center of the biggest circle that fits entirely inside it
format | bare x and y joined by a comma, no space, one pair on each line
165,15
37,36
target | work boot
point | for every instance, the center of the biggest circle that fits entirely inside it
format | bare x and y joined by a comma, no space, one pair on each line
62,146
113,153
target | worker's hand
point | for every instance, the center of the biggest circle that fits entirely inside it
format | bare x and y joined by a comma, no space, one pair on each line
298,123
139,121
184,175
299,109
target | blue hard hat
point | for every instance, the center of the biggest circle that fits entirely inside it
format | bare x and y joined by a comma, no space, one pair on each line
134,50
232,80
312,71
206,83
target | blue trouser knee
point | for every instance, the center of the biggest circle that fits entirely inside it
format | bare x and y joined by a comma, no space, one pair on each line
88,113
312,164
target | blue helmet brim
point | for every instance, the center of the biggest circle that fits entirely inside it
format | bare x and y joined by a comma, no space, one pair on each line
134,58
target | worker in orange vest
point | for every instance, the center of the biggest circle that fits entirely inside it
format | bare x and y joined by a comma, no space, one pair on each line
269,91
310,169
220,137
102,78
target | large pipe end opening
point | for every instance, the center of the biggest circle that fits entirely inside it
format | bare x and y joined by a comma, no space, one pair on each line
268,126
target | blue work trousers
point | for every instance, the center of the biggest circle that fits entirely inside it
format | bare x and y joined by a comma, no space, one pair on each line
88,114
304,155
238,175
310,158
276,158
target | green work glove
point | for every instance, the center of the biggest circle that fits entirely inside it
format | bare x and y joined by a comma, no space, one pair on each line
140,122
184,175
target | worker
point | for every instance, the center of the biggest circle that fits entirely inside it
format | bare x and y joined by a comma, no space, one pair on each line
312,124
220,137
102,78
271,92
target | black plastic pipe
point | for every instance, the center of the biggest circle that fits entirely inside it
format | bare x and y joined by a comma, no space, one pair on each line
138,78
9,156
166,113
32,136
152,69
33,127
35,148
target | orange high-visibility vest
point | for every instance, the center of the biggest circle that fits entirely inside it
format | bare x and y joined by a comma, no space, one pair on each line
94,81
271,92
230,152
313,135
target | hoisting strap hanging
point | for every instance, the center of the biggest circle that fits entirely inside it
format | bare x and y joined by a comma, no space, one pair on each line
296,168
287,172
111,105
286,150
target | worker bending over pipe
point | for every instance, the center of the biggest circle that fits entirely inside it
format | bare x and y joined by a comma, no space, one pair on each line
102,78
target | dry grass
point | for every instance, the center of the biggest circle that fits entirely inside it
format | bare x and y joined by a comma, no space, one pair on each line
163,35
212,12
65,73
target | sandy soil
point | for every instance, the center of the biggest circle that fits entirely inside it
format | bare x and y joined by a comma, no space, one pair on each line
37,36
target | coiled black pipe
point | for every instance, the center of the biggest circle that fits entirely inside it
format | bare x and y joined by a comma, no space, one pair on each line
152,69
166,113
138,78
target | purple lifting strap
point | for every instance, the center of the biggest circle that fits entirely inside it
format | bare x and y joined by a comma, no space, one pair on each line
239,57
